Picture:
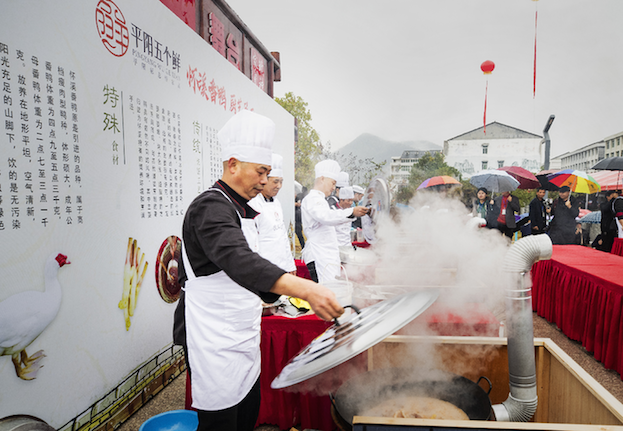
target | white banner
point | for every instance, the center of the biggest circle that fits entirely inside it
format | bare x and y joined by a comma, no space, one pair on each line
109,120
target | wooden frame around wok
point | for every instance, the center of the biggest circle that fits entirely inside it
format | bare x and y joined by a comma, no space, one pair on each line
569,398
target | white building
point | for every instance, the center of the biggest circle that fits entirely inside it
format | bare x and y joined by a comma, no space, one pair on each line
614,145
502,145
400,167
584,158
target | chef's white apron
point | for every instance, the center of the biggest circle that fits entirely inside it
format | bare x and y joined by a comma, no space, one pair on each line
222,333
273,237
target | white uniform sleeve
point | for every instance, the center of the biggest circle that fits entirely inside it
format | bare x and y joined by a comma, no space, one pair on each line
318,209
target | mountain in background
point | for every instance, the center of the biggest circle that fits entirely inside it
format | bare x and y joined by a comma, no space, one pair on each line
369,146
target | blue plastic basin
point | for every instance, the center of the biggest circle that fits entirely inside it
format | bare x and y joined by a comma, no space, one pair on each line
174,420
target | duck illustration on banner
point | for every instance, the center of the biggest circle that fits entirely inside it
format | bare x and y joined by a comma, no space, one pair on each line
24,316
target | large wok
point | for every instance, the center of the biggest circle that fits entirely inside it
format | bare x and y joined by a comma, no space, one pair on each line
368,389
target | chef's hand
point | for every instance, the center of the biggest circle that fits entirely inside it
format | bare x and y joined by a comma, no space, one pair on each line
321,299
324,303
360,211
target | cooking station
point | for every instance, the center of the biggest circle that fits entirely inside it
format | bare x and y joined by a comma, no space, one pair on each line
417,382
569,399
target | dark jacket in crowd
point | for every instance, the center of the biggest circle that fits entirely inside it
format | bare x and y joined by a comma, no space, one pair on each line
538,216
562,226
608,228
511,209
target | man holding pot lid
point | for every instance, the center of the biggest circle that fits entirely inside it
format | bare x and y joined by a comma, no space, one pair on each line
343,230
321,252
273,237
222,277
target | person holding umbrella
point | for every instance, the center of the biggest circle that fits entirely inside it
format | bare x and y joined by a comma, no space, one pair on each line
502,215
564,210
482,206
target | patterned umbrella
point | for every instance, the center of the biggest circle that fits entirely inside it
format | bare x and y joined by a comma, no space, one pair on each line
440,180
494,181
526,179
577,181
591,217
542,177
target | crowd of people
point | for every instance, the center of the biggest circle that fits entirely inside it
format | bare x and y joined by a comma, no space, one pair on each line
558,219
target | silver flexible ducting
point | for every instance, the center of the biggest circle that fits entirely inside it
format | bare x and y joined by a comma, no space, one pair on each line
522,400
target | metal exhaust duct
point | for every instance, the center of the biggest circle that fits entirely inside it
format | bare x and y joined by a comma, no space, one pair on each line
522,401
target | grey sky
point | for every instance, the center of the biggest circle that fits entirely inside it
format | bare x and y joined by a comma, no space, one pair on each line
410,69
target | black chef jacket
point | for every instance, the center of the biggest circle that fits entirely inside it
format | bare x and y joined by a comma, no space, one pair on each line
214,241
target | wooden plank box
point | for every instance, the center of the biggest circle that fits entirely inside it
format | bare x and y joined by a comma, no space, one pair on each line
569,398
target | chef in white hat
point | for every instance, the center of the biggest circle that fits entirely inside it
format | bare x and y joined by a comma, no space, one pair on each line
223,277
358,190
273,237
342,181
321,253
343,230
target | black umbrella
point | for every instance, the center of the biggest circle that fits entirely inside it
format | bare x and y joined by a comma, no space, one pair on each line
610,164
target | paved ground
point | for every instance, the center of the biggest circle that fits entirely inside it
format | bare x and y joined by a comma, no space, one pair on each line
172,397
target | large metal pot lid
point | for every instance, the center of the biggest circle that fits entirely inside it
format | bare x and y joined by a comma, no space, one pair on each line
361,331
378,198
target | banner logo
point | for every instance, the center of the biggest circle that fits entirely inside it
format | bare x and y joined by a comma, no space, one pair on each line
112,28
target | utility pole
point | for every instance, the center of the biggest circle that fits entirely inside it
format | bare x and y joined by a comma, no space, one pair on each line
550,120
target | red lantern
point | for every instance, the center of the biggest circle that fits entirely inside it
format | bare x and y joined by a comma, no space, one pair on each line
487,67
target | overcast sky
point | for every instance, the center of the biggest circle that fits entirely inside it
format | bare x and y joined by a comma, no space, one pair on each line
410,69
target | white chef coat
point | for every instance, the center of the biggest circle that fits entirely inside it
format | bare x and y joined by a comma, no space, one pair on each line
319,222
273,237
343,233
223,333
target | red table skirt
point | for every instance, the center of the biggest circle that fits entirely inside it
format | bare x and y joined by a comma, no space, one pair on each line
307,404
581,291
617,247
443,319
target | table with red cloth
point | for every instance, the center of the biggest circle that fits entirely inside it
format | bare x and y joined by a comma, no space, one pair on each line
617,247
581,290
446,319
282,338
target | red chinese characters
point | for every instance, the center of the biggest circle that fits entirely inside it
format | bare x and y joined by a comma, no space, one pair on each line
258,68
217,34
112,28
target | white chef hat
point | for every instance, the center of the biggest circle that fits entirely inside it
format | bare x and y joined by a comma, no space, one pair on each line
277,166
327,168
342,180
248,137
347,193
358,189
